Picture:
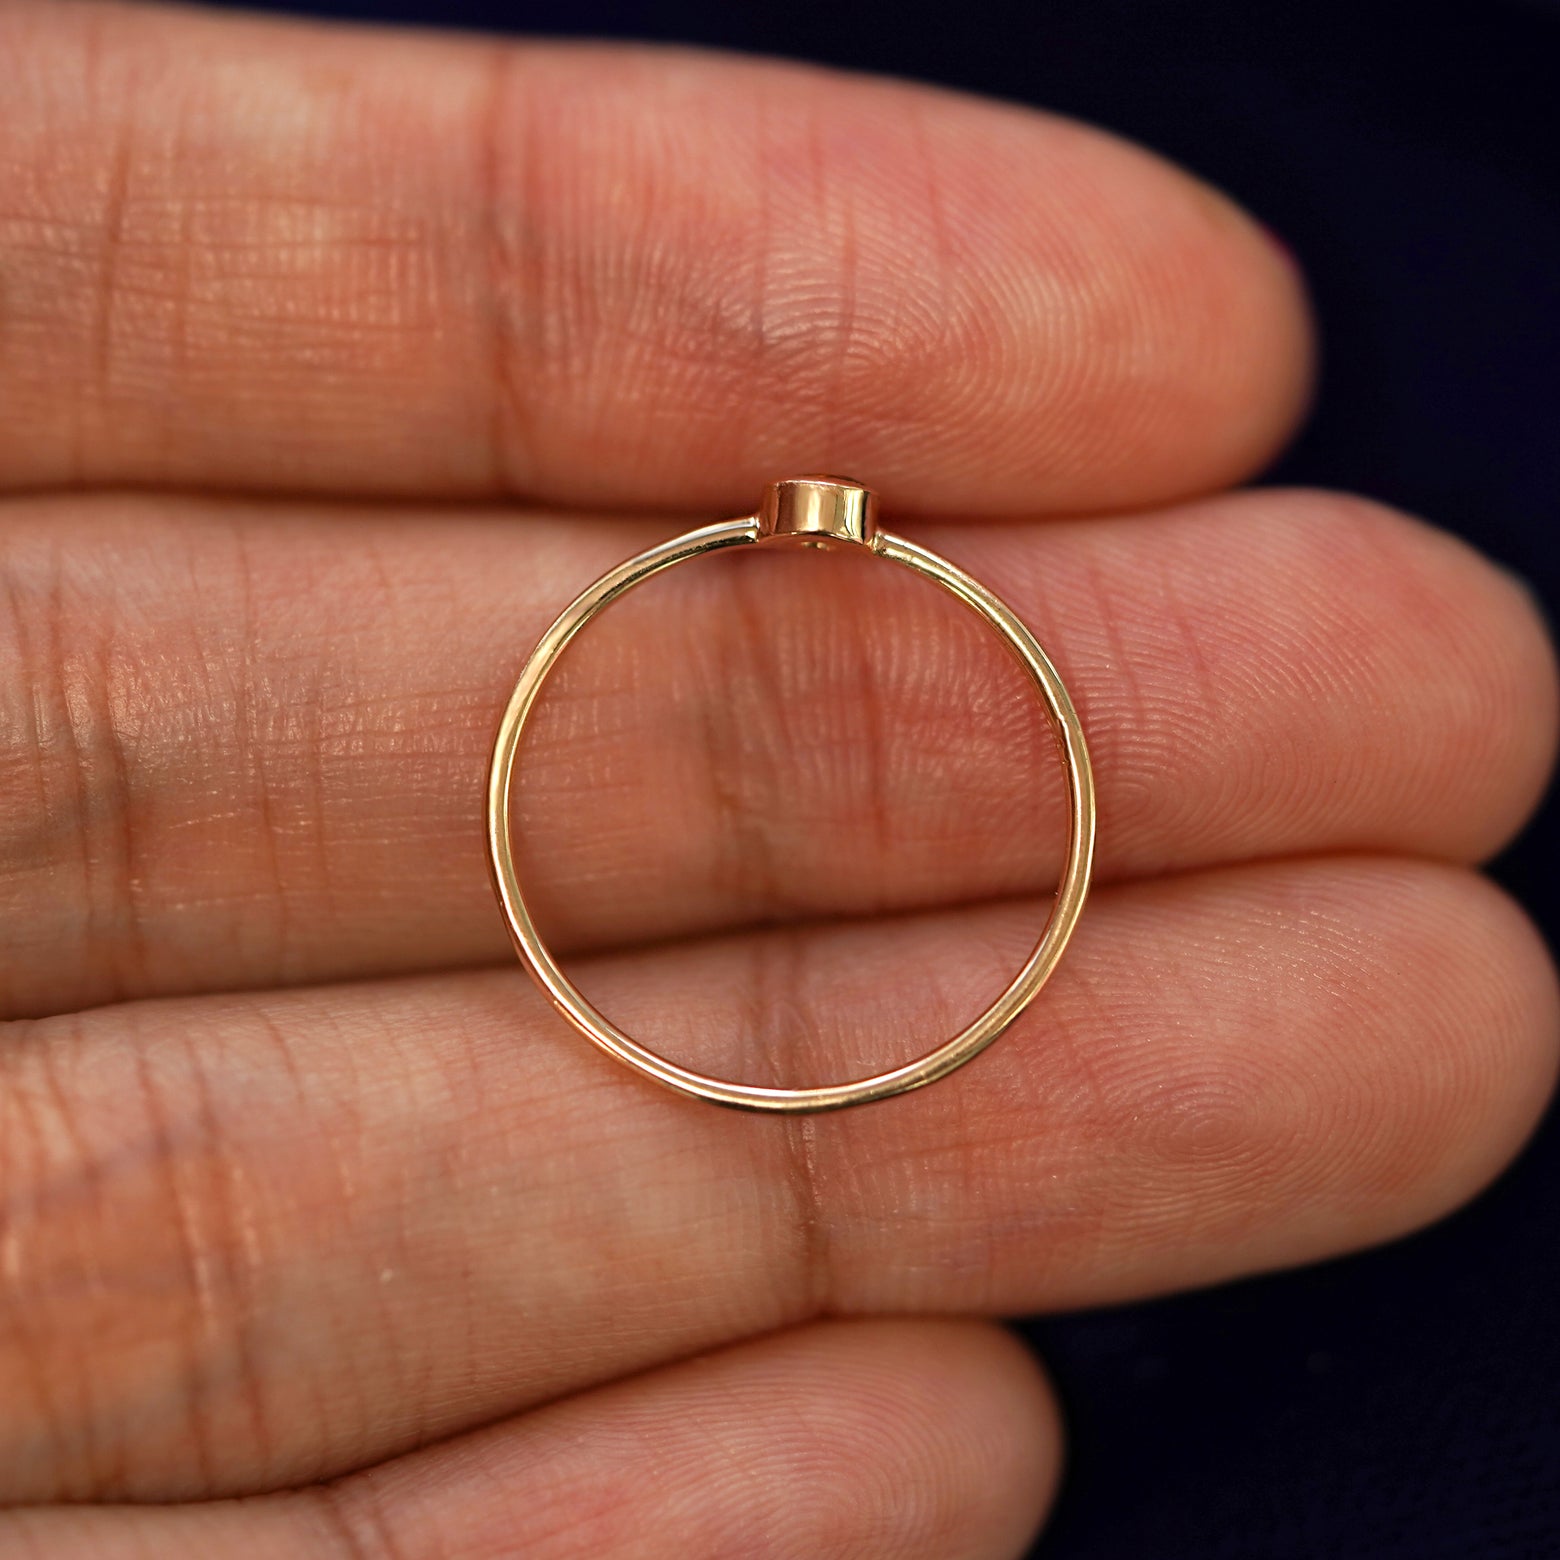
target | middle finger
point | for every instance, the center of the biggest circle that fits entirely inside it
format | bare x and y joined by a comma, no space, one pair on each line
241,745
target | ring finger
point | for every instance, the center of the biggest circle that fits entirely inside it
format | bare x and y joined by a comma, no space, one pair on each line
309,1229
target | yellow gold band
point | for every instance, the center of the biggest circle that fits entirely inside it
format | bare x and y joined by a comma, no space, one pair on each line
818,512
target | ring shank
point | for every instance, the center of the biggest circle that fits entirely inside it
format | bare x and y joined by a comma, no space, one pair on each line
1071,891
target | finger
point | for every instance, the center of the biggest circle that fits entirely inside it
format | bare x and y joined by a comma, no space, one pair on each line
867,1440
246,254
308,1230
241,747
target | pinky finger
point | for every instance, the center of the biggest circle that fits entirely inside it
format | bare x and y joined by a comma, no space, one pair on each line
873,1440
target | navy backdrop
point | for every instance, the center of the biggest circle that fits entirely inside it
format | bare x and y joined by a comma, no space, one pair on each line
1401,1404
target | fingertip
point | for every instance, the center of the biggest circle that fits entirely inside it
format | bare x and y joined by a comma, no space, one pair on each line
1505,1070
978,1427
1190,269
1477,663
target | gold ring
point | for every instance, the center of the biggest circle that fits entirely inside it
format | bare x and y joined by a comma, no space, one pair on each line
818,512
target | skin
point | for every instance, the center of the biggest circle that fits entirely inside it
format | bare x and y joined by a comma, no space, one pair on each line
333,363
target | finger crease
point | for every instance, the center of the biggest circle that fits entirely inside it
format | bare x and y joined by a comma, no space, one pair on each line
353,1522
514,269
812,1228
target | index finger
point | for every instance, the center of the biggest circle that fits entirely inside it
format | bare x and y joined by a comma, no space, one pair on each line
247,254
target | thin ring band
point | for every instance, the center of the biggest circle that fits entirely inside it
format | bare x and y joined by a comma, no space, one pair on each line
818,512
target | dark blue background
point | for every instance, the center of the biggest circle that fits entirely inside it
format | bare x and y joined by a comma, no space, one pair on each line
1402,1403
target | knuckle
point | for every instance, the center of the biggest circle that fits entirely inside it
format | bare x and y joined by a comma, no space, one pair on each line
121,1228
67,755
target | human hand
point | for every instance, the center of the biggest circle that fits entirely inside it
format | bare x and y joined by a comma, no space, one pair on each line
305,1193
